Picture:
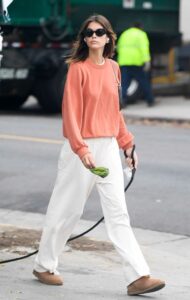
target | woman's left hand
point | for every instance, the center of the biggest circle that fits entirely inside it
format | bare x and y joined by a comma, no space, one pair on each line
129,160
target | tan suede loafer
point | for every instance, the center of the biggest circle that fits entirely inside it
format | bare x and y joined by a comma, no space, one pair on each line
48,278
145,285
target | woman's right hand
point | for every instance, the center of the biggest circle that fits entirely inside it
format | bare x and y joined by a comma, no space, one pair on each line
88,161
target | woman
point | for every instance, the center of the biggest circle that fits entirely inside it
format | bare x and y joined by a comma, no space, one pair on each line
94,130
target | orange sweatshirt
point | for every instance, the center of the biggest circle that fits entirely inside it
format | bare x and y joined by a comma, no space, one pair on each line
91,105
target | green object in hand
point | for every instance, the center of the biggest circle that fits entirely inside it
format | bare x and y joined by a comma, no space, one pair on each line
100,171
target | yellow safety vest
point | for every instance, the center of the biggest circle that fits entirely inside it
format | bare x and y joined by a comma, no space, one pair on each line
133,47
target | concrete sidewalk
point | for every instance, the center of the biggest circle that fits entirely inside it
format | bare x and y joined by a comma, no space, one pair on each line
91,267
166,109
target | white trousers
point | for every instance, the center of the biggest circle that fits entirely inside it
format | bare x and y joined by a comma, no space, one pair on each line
73,185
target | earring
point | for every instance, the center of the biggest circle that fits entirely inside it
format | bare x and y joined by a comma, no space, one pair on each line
85,40
108,41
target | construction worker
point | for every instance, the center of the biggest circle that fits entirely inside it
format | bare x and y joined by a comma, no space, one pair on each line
134,61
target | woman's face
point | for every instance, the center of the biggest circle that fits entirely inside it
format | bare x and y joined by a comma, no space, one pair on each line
95,36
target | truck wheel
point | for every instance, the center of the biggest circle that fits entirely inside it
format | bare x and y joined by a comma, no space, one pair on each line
11,102
49,91
133,92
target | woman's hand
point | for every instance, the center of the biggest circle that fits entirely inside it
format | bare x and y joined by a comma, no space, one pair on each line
129,160
88,161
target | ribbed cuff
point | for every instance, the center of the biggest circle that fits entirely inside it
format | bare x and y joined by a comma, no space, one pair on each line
128,145
82,151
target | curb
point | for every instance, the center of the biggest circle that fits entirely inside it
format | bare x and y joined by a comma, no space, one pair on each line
156,119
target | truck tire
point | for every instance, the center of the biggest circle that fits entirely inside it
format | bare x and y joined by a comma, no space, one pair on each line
11,102
49,91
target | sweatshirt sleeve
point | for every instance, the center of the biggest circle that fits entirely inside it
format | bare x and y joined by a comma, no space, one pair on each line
72,110
124,137
144,46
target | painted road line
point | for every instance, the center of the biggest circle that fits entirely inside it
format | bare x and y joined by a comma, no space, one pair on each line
29,139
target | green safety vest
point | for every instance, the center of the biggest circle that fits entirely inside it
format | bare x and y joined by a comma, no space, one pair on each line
133,48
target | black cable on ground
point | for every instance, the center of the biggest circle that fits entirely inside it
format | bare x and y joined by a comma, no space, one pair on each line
88,230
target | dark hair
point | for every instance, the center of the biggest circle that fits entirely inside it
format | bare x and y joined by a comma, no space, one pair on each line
80,49
137,24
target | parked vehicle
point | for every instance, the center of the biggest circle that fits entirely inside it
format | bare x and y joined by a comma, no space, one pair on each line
37,36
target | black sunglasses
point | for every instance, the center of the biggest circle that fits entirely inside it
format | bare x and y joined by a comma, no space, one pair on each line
99,32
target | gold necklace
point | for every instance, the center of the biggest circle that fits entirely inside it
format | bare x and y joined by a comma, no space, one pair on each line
103,61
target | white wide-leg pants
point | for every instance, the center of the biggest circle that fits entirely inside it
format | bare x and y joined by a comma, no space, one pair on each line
72,187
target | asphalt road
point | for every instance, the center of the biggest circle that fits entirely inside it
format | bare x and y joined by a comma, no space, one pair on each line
30,143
